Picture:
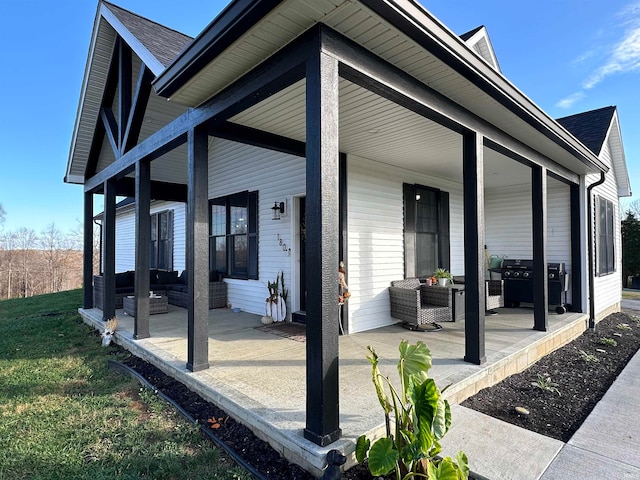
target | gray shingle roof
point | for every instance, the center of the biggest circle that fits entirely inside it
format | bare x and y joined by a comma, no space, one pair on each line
590,127
163,43
470,33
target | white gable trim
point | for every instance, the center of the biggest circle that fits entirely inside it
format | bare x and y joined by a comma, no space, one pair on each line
480,43
618,160
147,58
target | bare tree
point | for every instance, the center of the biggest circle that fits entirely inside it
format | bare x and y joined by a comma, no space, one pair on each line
26,241
3,215
630,206
55,250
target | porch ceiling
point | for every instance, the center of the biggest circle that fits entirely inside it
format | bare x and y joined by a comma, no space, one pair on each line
357,20
378,129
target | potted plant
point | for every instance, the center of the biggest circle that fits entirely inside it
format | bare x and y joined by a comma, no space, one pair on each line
276,302
443,275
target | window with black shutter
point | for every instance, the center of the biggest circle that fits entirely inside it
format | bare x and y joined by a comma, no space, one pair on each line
161,255
233,235
426,230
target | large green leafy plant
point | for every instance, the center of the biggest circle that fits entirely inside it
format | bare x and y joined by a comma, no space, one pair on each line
416,419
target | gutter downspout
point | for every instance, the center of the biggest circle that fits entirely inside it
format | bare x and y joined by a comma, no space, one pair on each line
592,301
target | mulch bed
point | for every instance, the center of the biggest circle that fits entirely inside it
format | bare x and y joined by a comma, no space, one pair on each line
581,381
581,384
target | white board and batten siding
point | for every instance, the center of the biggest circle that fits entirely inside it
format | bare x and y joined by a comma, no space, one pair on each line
278,177
375,236
126,234
607,288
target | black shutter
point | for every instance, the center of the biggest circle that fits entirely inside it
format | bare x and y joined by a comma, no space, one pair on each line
409,201
444,247
170,240
252,236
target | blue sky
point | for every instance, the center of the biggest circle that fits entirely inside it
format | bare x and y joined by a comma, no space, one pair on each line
568,56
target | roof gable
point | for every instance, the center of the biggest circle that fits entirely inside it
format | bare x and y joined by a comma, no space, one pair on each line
597,128
590,127
478,40
161,43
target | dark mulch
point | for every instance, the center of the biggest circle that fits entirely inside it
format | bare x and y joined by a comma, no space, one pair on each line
581,385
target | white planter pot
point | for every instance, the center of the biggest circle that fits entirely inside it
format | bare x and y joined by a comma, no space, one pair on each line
443,281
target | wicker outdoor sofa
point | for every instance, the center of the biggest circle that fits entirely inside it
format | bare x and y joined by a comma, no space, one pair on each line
161,283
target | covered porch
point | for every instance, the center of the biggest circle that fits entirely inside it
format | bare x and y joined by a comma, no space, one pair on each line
275,408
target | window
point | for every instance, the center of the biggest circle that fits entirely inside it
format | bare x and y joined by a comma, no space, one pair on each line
233,235
605,236
426,230
162,240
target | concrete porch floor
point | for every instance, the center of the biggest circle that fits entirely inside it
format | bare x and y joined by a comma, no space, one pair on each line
259,377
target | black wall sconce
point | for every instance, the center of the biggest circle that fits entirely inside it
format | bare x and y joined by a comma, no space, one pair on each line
278,210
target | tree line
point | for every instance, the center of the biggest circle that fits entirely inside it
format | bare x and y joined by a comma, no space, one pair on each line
631,244
33,263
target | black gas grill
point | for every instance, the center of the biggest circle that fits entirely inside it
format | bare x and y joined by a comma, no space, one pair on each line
518,283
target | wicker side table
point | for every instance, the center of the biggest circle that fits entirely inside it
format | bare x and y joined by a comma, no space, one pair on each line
157,304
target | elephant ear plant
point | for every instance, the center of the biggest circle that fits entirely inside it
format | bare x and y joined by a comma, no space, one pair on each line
416,418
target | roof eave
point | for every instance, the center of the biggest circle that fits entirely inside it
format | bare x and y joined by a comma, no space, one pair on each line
235,20
405,15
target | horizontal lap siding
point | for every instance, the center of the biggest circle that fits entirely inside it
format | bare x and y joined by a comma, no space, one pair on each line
376,242
126,235
608,287
233,168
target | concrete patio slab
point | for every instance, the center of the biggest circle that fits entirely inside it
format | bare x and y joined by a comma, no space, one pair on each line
259,378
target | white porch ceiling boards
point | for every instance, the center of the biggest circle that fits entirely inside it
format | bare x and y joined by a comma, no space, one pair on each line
355,21
375,128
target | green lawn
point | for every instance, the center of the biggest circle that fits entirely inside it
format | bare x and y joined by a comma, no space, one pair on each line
631,294
63,415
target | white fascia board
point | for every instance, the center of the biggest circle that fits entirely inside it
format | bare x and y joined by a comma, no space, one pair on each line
431,27
83,93
76,179
147,58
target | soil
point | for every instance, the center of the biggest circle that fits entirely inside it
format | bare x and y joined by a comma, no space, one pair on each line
580,384
576,382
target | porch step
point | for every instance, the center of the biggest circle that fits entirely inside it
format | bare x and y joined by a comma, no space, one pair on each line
299,317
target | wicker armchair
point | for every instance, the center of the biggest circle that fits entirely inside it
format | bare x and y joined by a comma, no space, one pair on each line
409,305
494,294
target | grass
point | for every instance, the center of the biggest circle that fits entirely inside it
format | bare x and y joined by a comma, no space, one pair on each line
64,415
631,294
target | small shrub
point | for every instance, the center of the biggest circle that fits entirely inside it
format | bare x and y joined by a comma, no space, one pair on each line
546,384
587,357
610,342
623,326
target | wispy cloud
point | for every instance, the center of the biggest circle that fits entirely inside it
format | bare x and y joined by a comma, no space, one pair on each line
625,57
622,56
570,100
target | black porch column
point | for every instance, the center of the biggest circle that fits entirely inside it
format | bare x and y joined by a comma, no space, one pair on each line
143,239
540,280
87,255
576,249
109,232
323,416
198,250
474,263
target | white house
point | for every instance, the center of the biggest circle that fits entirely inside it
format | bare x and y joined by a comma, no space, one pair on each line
374,134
